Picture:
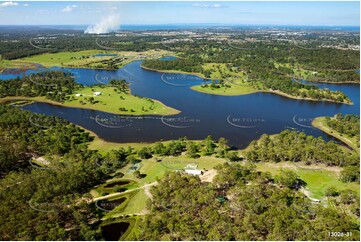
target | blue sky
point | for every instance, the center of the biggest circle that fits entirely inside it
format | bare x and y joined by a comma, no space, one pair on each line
252,13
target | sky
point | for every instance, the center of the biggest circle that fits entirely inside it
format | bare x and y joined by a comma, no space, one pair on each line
235,13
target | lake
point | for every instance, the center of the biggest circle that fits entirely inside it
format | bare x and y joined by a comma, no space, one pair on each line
240,119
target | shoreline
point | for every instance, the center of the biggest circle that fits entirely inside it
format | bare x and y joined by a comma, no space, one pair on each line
319,124
336,83
265,91
44,100
273,92
176,72
302,98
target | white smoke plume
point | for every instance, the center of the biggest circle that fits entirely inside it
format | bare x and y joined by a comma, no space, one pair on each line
106,25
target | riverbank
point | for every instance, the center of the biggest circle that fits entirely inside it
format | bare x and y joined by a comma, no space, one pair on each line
176,72
88,58
108,101
237,90
233,91
319,123
244,90
304,98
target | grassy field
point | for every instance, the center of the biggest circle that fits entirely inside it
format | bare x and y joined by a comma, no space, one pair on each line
4,64
220,71
236,80
109,101
320,124
154,169
234,90
137,204
318,178
103,146
87,58
79,58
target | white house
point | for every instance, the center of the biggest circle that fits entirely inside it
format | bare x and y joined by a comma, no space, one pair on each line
78,95
97,93
194,172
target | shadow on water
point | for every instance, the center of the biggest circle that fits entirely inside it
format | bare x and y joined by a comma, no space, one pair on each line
113,232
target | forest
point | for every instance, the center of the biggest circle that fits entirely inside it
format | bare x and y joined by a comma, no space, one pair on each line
54,85
298,147
52,202
239,204
25,189
348,125
47,170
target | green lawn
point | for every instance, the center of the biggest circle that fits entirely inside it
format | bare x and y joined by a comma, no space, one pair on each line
234,90
14,64
68,58
153,170
220,70
110,101
137,204
318,178
86,58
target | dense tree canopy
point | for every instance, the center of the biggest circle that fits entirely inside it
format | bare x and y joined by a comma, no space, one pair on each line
240,204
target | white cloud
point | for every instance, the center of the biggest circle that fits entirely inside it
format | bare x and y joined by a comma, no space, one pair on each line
26,5
8,4
204,5
69,8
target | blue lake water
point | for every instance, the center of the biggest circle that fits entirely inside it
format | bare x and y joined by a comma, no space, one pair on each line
168,58
105,55
240,119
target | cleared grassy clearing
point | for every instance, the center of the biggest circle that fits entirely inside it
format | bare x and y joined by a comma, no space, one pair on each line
318,178
234,90
87,58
